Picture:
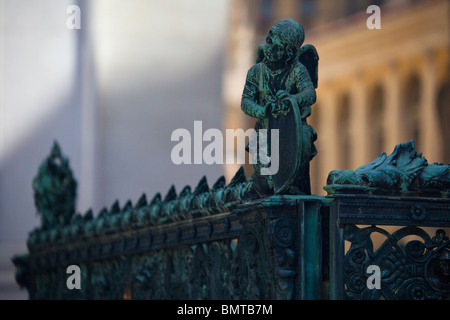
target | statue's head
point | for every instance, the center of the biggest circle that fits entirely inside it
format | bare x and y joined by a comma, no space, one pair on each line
290,32
282,42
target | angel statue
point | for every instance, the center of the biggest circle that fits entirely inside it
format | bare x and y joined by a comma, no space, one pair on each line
279,92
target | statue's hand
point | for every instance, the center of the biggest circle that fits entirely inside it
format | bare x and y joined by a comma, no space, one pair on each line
283,102
270,107
285,105
282,95
275,109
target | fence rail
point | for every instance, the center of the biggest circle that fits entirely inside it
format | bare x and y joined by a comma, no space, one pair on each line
362,241
405,238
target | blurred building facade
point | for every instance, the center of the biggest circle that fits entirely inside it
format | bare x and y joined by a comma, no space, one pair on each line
111,93
377,87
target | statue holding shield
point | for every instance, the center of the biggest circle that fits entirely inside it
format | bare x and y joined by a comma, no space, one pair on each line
279,92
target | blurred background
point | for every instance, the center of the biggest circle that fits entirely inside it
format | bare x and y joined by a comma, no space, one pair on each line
112,92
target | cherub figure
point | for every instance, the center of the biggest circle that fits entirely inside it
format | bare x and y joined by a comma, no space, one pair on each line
279,92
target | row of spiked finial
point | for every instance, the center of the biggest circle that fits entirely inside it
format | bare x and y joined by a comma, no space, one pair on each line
187,204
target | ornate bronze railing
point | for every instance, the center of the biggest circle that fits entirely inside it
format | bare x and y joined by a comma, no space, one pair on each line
225,242
261,238
393,213
403,237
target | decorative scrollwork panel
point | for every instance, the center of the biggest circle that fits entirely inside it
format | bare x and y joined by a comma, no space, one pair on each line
412,264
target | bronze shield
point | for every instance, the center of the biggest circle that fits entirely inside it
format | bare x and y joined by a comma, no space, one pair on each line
290,148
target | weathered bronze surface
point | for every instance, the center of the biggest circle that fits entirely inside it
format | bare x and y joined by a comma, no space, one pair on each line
212,243
55,190
225,242
261,238
403,172
412,258
411,270
279,92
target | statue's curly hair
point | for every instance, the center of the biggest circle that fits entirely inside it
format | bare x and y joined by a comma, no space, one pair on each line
291,34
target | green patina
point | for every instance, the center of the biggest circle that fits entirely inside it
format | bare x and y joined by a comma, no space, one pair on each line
264,237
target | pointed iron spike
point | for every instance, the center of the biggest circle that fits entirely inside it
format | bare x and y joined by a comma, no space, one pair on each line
141,202
238,177
103,212
156,199
128,205
76,218
89,215
115,207
171,194
202,186
185,192
219,184
56,150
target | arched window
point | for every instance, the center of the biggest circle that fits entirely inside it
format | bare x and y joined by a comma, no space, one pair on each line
343,134
411,111
376,121
443,104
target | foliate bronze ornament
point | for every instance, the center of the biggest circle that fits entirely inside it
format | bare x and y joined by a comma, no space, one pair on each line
284,236
403,172
55,190
412,270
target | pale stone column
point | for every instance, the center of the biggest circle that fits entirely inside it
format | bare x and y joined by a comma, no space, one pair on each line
2,81
328,10
429,122
287,9
359,124
327,142
392,132
240,56
86,87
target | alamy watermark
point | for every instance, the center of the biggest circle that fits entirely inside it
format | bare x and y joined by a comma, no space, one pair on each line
374,280
74,19
374,21
213,152
74,280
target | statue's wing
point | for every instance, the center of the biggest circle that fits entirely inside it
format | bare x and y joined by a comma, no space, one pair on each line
310,59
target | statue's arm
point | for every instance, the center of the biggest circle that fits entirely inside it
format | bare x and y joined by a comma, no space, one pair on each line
250,96
306,95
